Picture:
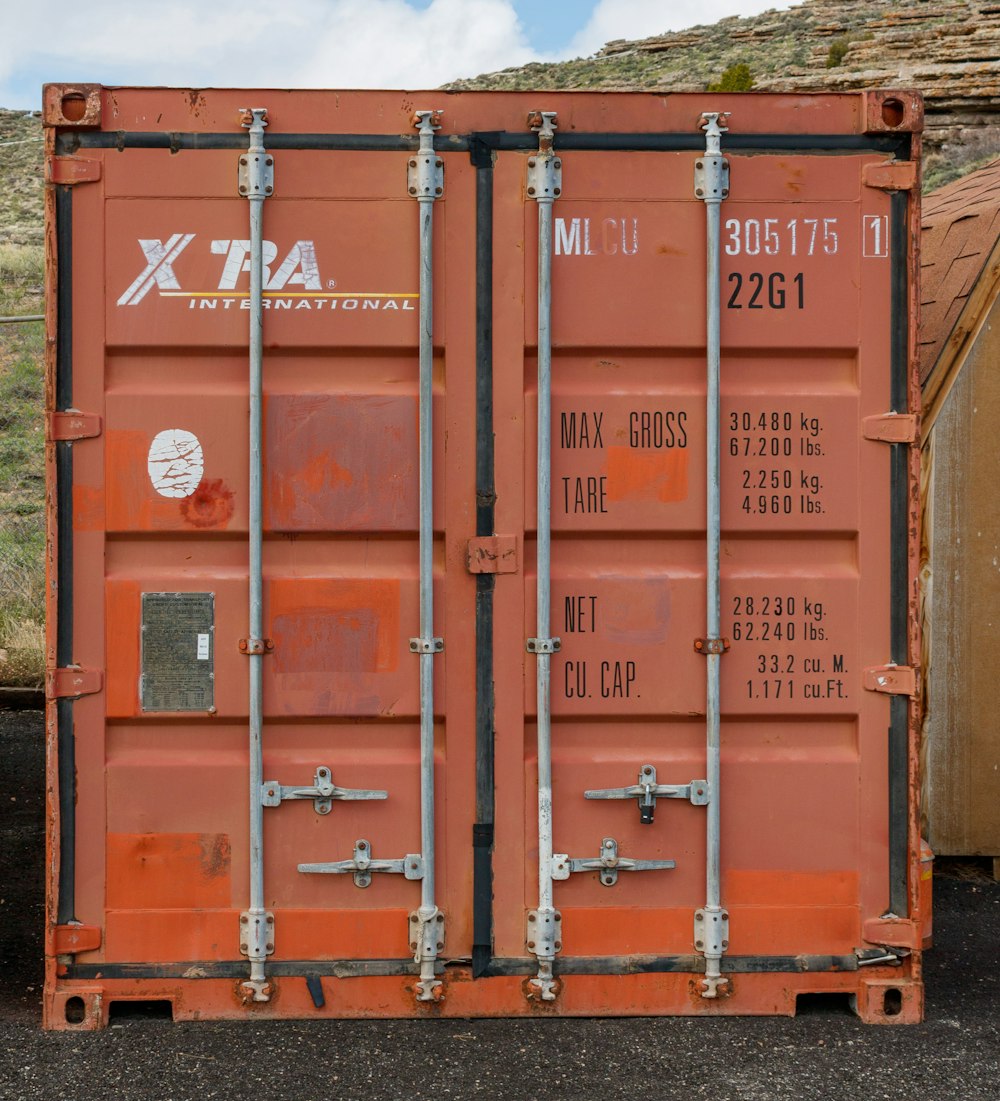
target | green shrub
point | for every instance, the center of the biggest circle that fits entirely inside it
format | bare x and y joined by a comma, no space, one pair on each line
837,52
737,78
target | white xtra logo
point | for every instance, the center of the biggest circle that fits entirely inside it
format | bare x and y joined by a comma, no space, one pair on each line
298,268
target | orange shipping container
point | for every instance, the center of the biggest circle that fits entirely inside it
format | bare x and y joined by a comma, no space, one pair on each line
482,553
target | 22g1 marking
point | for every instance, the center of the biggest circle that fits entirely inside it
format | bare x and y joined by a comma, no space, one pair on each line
758,291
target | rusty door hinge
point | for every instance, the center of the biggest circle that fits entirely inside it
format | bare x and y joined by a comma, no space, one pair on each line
896,680
69,939
891,176
72,170
71,425
492,554
895,932
69,683
891,428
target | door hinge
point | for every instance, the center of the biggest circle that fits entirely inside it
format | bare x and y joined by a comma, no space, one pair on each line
896,680
895,932
73,425
70,939
68,171
891,176
892,428
72,682
492,554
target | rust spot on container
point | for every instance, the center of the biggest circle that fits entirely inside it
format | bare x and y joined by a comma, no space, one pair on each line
210,506
197,102
216,854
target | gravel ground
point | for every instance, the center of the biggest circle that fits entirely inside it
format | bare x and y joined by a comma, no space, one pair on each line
823,1053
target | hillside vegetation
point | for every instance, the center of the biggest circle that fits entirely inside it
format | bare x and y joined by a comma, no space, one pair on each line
22,426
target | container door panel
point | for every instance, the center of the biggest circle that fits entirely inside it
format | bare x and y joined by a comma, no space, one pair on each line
805,553
341,689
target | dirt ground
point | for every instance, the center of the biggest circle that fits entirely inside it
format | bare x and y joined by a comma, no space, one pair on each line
823,1053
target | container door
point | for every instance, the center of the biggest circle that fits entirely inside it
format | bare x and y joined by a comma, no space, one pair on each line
166,770
806,584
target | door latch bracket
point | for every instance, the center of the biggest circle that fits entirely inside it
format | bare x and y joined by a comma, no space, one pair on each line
647,791
322,793
608,863
363,865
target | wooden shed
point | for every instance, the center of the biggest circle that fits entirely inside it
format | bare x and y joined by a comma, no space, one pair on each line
960,371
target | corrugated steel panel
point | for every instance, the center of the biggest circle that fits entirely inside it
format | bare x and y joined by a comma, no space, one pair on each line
152,854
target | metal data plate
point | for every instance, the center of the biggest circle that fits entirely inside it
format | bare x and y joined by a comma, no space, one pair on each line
178,652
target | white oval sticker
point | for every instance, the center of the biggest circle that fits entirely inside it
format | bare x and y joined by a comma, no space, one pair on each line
176,463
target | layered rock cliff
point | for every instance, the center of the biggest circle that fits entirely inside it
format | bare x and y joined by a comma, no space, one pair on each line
947,49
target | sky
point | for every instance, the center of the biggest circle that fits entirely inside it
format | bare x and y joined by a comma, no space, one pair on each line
317,43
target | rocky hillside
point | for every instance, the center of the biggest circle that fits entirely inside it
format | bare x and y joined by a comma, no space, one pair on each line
948,49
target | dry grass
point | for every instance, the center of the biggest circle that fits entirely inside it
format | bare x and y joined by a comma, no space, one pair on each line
22,475
21,188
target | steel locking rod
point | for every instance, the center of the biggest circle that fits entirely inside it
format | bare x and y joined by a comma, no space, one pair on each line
544,185
711,926
425,182
256,924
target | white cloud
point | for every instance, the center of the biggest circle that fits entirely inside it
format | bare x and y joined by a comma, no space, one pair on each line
303,43
644,18
257,43
385,43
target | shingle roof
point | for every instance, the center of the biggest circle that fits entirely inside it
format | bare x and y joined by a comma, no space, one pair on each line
959,230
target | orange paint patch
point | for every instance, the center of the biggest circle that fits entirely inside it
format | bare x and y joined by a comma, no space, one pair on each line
335,626
647,475
160,871
323,473
122,629
769,888
88,508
